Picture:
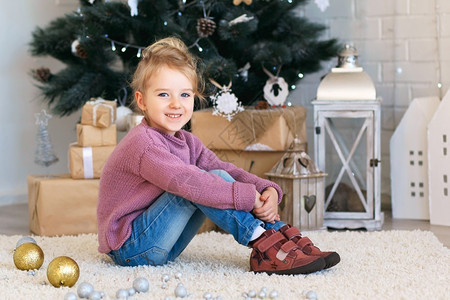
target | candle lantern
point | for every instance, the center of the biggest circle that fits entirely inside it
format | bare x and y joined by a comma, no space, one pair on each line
303,188
347,145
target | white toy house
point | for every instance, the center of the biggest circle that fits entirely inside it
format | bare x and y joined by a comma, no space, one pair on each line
439,164
409,161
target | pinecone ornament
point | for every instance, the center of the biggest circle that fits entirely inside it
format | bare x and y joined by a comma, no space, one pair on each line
80,52
205,27
42,74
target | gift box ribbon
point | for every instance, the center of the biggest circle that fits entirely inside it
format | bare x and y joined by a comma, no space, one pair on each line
88,164
96,104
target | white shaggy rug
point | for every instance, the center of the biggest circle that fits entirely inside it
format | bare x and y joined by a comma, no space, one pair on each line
374,265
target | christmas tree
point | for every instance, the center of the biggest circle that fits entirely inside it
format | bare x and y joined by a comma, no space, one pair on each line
239,42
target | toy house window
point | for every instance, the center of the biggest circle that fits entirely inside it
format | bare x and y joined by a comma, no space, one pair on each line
444,138
413,184
413,194
445,178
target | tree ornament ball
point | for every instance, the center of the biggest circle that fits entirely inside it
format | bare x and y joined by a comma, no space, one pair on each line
25,239
122,118
63,271
141,285
85,289
28,256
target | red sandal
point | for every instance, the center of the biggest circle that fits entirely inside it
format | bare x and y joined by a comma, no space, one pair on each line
307,246
274,254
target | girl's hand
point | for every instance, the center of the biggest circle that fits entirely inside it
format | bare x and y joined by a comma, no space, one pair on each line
258,202
268,212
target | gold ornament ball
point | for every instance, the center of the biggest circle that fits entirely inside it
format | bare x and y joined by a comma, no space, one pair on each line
63,271
28,256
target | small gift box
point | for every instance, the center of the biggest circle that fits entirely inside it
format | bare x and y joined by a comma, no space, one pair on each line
88,135
99,113
88,162
60,205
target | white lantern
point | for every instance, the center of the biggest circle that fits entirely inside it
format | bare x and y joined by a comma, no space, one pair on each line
347,145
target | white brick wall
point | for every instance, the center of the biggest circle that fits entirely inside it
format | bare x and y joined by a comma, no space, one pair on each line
403,46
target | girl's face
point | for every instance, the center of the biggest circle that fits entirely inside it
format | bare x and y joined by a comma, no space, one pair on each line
168,101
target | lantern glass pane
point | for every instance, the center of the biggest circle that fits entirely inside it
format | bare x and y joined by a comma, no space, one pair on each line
346,162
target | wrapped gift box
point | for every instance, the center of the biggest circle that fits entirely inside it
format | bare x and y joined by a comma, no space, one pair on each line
88,162
88,135
255,162
100,113
270,129
60,205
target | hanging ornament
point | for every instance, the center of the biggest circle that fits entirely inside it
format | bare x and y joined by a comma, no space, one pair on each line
133,4
322,4
276,89
42,74
63,271
243,72
122,112
28,256
205,27
225,103
237,2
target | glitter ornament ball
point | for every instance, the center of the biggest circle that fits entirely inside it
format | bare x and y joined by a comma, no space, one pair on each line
25,239
28,256
63,271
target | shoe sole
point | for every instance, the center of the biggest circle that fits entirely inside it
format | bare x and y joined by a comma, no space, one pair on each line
317,265
332,260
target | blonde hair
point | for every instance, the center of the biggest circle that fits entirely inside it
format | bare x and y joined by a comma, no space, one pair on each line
168,52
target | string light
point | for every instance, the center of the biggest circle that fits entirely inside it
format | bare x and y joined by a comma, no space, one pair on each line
300,75
113,46
293,87
165,23
124,48
439,85
139,53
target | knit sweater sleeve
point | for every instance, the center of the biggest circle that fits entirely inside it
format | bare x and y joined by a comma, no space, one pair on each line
208,160
168,172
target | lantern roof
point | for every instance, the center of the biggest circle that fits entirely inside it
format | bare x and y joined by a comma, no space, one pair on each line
347,81
295,163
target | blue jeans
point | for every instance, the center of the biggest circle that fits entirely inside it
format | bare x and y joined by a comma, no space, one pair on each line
163,231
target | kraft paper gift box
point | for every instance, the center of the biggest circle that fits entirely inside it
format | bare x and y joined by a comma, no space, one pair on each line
271,129
99,113
60,205
88,162
255,162
89,136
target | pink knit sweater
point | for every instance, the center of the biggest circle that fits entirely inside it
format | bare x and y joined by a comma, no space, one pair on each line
148,162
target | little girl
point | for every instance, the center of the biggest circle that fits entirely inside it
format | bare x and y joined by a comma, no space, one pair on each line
161,181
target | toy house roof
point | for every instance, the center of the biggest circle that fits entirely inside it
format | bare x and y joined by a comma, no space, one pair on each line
442,113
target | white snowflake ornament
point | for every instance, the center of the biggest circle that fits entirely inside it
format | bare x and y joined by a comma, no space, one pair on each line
225,103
